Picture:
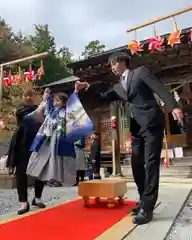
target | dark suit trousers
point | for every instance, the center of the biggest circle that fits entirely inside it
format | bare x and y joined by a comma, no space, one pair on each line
146,151
22,183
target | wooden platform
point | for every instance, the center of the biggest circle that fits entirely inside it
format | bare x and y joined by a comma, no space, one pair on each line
110,189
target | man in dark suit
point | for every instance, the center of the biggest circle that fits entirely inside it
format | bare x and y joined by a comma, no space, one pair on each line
137,87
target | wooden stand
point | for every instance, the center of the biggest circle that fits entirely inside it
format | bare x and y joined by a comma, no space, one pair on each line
108,189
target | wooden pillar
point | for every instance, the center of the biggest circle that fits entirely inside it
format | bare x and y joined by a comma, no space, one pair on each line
116,161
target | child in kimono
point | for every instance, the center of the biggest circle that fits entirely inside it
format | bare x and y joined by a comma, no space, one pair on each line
53,156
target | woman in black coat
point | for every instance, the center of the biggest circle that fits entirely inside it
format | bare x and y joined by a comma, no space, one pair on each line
19,154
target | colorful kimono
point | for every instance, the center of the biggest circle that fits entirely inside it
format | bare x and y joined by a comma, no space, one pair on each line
53,156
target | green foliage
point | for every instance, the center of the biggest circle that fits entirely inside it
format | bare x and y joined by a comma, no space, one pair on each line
11,46
55,63
15,46
93,47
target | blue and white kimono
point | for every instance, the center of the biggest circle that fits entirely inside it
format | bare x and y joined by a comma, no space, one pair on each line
53,156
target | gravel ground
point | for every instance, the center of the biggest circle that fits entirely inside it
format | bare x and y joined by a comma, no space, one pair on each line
182,229
9,202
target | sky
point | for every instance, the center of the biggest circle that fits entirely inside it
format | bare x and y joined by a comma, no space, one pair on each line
76,22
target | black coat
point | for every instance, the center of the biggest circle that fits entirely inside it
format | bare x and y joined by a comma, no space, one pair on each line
21,140
141,86
95,151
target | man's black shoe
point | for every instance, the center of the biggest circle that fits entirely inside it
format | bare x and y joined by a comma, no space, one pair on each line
134,211
143,217
75,185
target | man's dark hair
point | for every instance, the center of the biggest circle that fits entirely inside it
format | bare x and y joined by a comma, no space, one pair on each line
119,57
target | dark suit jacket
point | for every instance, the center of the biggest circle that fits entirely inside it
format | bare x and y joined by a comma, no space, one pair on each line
95,151
22,138
141,86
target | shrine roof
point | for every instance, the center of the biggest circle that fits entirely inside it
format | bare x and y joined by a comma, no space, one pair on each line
62,81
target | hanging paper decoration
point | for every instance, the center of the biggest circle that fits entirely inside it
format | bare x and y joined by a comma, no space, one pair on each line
156,43
135,46
175,37
40,71
17,79
30,75
7,82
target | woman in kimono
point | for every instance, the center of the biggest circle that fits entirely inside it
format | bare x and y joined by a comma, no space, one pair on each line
80,160
53,156
19,154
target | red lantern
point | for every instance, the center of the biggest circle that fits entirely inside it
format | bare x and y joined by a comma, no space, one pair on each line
113,122
129,144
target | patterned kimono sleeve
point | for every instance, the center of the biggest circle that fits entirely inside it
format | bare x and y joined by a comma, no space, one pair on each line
61,122
49,107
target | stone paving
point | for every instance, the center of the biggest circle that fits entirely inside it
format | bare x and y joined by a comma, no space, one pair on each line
172,196
182,228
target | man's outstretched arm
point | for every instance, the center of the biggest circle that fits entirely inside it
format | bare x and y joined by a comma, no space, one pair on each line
100,98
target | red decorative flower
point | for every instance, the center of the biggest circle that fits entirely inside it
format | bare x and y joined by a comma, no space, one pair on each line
156,43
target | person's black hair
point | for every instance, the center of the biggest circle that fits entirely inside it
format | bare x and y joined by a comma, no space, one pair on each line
96,133
62,97
119,57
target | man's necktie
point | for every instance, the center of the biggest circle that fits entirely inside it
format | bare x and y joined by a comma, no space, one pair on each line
123,82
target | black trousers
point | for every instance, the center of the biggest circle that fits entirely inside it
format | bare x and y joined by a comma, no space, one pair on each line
80,175
146,152
22,184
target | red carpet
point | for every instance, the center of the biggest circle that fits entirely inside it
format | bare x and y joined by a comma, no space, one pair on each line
68,221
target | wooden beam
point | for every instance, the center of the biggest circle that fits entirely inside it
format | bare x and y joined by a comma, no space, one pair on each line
36,56
173,14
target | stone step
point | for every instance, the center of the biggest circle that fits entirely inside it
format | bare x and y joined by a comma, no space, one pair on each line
178,171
